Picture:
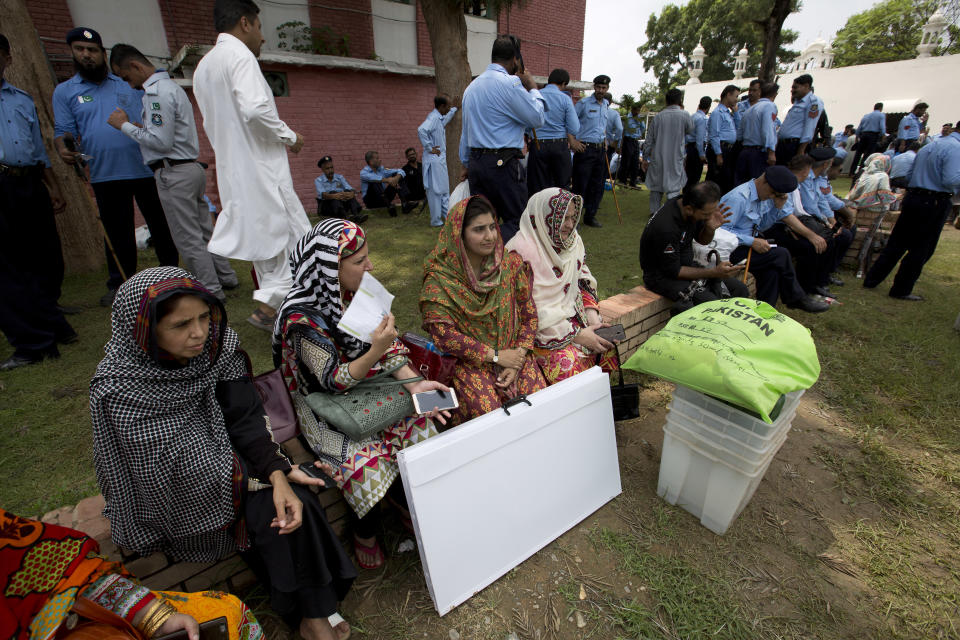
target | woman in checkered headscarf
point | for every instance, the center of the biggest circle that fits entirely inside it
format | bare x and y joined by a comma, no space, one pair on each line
183,452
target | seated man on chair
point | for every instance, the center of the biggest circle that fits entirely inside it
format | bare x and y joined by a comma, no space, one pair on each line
381,186
335,197
666,250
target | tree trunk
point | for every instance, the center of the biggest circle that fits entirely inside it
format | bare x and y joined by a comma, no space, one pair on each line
771,26
30,71
448,39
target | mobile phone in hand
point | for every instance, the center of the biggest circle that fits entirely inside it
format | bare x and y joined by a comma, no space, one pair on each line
611,334
426,401
215,629
318,473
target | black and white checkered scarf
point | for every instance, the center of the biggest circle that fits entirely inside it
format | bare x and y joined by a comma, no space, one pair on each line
315,264
162,453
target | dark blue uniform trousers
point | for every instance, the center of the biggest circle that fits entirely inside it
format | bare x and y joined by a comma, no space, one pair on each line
504,185
589,169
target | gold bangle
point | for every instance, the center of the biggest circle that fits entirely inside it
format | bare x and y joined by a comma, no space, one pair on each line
149,613
157,619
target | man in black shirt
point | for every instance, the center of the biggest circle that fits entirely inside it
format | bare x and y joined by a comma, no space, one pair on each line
414,171
666,250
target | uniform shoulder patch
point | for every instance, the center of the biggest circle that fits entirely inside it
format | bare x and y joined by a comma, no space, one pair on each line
155,106
157,119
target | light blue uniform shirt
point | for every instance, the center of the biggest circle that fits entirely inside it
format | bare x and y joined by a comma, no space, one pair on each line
760,125
593,119
801,120
748,213
826,191
82,108
873,122
496,110
813,201
560,117
369,174
21,143
635,128
937,166
902,165
721,127
338,183
699,135
909,127
839,139
168,129
614,131
742,108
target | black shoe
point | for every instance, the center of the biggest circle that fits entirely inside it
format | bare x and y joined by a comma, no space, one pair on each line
393,210
409,206
68,311
360,218
15,361
592,222
835,280
912,297
826,293
106,300
68,338
230,287
810,305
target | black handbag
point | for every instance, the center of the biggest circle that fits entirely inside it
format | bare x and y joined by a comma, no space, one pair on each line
625,397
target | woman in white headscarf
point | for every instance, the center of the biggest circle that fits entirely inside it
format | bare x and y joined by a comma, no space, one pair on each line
564,290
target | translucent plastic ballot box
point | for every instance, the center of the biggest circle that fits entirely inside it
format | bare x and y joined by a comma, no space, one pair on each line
489,493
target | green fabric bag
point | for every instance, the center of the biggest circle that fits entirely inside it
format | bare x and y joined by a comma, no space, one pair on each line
739,350
366,409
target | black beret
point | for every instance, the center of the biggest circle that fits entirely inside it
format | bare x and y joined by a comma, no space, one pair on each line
601,79
780,179
822,153
324,159
83,34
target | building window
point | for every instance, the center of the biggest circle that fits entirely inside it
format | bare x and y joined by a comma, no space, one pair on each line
278,83
477,8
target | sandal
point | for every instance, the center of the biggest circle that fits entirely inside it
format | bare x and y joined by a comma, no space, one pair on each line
261,320
373,551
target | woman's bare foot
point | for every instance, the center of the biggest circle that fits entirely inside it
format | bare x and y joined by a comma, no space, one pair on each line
317,629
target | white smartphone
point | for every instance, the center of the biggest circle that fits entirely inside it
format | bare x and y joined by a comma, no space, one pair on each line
426,401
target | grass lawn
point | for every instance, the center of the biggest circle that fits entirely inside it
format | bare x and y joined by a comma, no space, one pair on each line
890,374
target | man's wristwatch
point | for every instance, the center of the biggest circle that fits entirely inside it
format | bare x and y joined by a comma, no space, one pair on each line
496,356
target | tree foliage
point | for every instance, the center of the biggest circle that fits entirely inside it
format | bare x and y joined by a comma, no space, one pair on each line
890,30
723,26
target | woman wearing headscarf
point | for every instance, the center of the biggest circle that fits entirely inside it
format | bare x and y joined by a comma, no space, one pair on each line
314,355
476,305
50,574
564,290
871,197
184,456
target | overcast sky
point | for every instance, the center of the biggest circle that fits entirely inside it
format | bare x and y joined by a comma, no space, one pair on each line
615,28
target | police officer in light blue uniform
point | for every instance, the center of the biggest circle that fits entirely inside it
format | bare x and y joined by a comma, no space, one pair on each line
696,143
759,125
548,161
335,197
910,125
934,181
722,140
589,165
31,261
498,106
873,126
630,148
796,132
81,107
614,132
754,207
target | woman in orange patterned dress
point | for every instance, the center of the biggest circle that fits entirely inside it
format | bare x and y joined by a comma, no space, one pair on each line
476,305
564,290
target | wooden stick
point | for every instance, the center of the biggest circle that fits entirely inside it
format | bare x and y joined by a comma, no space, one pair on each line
613,184
746,268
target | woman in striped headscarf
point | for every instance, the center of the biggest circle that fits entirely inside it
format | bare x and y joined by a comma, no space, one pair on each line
314,355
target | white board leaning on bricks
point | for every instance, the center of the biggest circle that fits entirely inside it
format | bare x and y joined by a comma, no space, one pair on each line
490,493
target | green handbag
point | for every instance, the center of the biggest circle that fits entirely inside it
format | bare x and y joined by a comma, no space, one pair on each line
368,408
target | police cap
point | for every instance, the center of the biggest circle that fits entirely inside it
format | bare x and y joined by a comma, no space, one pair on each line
324,160
780,179
602,79
822,153
841,152
83,34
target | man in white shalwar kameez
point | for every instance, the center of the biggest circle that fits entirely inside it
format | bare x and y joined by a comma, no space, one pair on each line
262,217
433,137
663,150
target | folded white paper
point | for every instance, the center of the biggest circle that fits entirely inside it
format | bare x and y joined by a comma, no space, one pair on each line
490,493
370,304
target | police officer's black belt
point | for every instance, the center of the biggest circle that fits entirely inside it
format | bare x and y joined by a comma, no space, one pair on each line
167,162
551,140
727,145
504,154
753,146
790,140
593,145
928,192
19,172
